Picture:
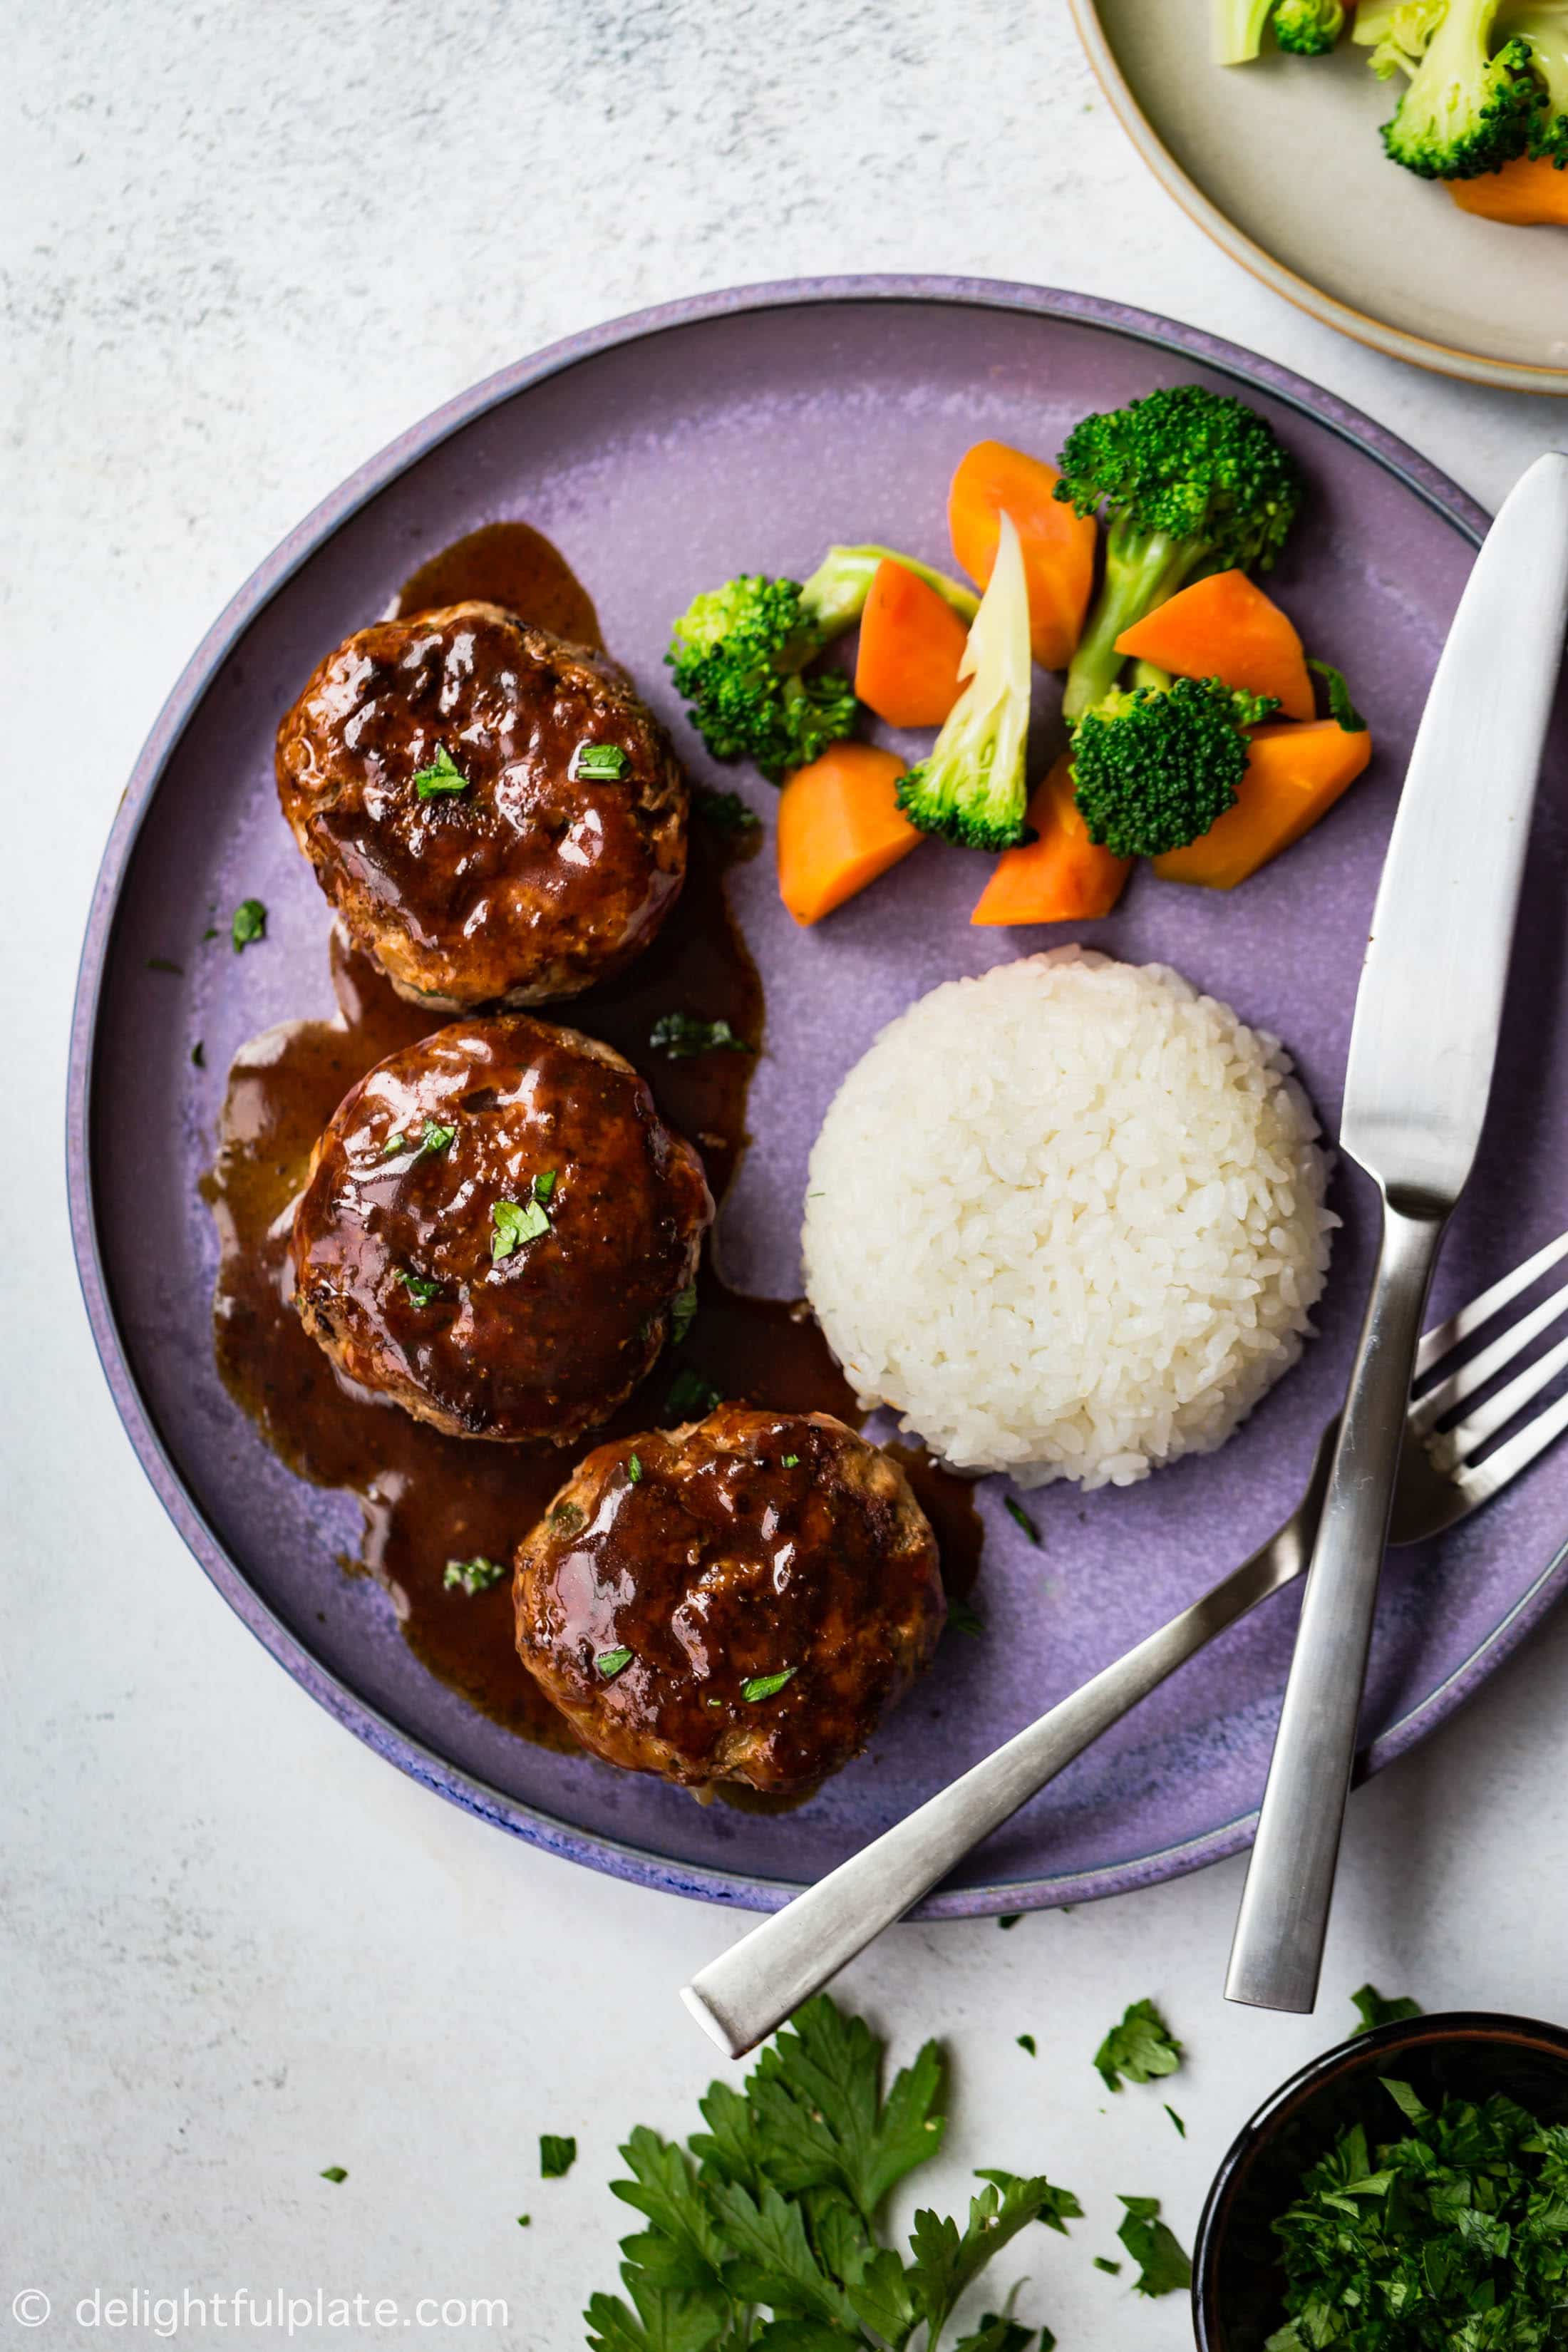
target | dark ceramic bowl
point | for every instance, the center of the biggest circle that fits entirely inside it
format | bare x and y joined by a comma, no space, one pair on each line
1238,2281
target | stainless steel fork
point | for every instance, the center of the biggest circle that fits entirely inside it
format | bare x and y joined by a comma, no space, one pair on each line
752,1988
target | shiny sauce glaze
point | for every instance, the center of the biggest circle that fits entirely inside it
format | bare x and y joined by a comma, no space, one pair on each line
429,1500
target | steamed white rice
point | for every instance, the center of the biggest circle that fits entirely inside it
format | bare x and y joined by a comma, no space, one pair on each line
1068,1220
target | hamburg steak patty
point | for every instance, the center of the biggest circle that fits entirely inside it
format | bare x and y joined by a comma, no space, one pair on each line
738,1600
496,1226
492,811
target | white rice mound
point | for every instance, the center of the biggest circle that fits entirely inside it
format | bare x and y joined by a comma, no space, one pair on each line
1068,1220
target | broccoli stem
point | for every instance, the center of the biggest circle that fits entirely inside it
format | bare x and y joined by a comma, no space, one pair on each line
1142,571
834,598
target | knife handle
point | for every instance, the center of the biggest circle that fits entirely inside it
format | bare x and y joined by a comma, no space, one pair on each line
1278,1946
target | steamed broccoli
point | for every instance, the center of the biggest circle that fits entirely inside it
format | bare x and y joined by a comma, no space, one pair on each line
1309,28
1543,27
1153,767
1191,481
738,654
970,787
1469,110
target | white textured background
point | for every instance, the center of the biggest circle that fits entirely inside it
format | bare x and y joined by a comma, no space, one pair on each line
243,246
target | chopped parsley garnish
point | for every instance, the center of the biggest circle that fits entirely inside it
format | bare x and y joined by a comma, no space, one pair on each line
1163,2267
524,2221
789,1462
393,1145
334,2172
682,1037
725,812
1026,2042
682,1313
761,1687
775,2208
566,1518
443,775
1375,2012
1453,2234
962,1618
1104,2262
691,1398
1020,1518
1005,1919
166,963
433,1136
599,760
1176,2119
199,1054
418,1287
544,1183
212,932
471,1576
249,923
512,1223
556,2155
1342,709
1142,2047
612,1663
634,1469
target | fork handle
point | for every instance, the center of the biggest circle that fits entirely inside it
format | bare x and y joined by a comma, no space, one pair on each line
755,1986
1278,1948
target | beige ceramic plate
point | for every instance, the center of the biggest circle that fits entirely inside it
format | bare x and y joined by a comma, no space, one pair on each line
1280,162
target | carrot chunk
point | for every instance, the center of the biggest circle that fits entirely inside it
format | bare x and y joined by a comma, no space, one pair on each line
1529,194
839,826
1294,776
911,643
1058,545
1225,627
1061,878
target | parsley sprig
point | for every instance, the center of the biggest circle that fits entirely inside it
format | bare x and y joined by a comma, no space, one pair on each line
775,2208
1142,2047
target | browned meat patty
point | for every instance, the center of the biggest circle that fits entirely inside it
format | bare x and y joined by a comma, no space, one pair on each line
679,1576
439,774
496,1226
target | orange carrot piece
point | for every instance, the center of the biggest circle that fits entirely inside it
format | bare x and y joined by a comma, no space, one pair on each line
1058,545
911,643
839,826
1061,878
1294,776
1530,194
1225,627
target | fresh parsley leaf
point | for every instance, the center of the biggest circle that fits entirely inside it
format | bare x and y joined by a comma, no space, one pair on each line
393,1145
682,1312
789,1462
1142,2047
1375,2012
760,1686
999,2332
249,925
435,1138
166,963
725,812
524,2221
512,1223
612,1663
1176,2119
1026,2042
1342,709
1163,2267
691,1398
443,775
1104,2262
594,760
634,1469
544,1183
1020,1518
962,1617
420,1288
556,2155
682,1035
335,2173
946,2260
471,1576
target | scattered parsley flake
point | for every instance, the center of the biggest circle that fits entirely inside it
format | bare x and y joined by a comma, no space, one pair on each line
471,1576
634,1469
691,1398
1142,2047
592,761
612,1663
962,1617
418,1287
443,775
250,924
682,1313
557,2155
762,1687
212,932
1176,2119
393,1145
166,963
1163,2267
1026,2042
544,1183
682,1035
1006,1919
566,1518
1375,2012
199,1054
1020,1518
524,2221
789,1462
1104,2262
725,812
335,2173
513,1223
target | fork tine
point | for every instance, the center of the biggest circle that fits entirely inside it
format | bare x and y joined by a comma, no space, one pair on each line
1457,1443
1426,1413
1444,1336
1488,1477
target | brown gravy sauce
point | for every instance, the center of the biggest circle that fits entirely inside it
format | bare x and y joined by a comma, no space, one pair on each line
428,1499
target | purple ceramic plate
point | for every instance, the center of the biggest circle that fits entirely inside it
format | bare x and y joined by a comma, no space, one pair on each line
740,431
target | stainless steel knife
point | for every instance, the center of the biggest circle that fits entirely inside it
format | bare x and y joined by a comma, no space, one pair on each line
1420,1070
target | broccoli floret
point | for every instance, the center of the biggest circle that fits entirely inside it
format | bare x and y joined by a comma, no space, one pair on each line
1543,29
970,788
1309,28
1467,111
1153,768
738,654
1191,481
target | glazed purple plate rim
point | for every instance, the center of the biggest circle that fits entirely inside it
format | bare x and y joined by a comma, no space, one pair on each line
535,1826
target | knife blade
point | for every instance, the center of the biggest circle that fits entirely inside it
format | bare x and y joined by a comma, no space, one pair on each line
1423,1045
